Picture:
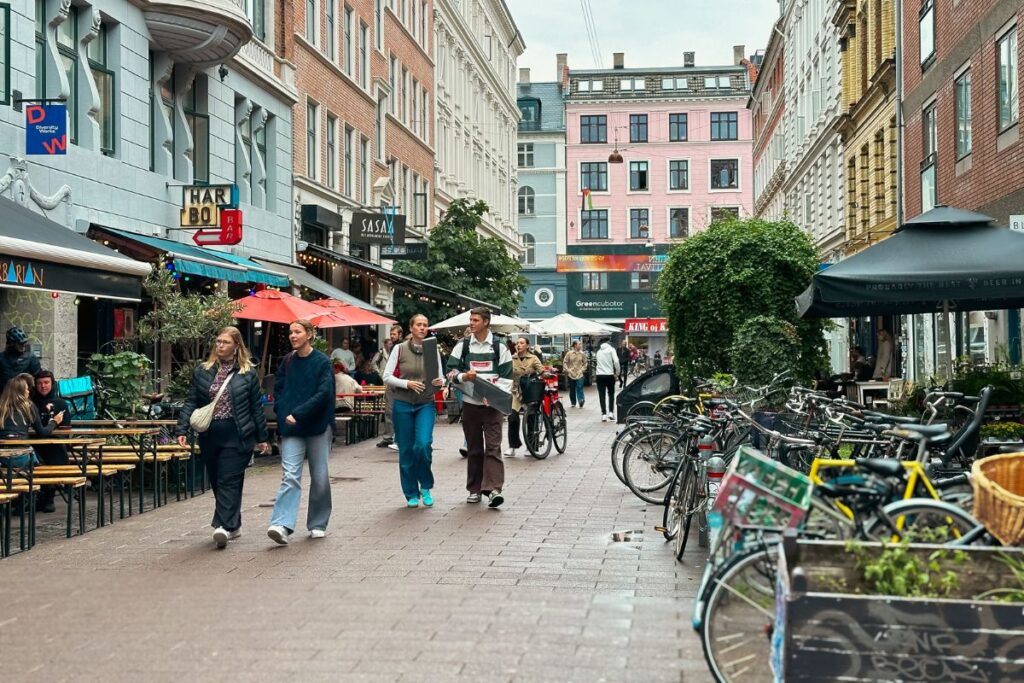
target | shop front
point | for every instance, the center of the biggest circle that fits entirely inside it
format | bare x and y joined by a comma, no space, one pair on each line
648,333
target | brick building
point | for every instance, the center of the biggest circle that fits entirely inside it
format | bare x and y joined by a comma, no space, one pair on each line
961,104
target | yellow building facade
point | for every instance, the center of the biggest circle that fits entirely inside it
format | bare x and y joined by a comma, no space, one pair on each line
867,30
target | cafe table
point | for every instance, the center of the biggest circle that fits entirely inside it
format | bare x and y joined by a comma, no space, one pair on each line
143,441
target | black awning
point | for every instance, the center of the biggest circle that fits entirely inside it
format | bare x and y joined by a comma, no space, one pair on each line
38,254
398,280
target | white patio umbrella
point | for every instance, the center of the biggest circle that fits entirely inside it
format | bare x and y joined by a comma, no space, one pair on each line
502,324
570,324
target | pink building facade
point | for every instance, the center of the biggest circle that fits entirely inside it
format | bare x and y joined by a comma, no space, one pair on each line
684,138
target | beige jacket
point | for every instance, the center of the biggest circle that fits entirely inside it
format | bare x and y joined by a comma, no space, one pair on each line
523,365
574,364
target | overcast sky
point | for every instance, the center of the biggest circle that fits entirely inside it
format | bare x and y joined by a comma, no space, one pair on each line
651,32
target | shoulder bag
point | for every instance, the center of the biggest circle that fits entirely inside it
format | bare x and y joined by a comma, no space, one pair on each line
202,417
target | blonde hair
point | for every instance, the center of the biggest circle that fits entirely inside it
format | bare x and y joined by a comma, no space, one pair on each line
416,316
14,402
307,326
241,352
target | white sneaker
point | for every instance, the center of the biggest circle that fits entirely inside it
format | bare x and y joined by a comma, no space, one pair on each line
393,446
232,535
278,534
611,417
220,537
604,418
317,533
510,453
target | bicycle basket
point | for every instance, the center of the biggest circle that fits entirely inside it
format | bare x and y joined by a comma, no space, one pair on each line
758,491
999,496
532,388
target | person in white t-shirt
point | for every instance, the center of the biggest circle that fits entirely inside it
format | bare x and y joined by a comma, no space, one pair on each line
345,355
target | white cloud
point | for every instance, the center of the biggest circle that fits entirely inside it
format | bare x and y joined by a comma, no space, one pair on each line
651,33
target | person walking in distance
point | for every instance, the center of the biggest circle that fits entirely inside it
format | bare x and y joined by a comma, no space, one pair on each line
479,357
607,369
574,365
237,427
304,404
387,432
413,412
624,360
524,364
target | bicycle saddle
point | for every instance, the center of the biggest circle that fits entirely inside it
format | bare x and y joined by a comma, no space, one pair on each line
874,416
883,467
918,431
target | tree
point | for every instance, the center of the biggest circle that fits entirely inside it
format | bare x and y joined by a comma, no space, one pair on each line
187,322
723,277
461,260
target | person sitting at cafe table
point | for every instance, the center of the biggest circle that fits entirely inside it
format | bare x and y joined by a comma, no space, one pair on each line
367,375
17,415
48,403
344,384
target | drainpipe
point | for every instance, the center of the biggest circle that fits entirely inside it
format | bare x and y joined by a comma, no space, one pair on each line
899,113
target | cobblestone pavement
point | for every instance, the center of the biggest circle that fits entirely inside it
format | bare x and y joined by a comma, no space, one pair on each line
535,591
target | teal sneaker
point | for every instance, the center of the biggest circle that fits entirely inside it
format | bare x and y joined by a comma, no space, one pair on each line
413,502
428,499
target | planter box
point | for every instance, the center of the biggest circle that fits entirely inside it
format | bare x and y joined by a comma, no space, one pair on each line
824,635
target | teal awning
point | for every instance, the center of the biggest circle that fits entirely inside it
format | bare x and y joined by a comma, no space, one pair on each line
216,265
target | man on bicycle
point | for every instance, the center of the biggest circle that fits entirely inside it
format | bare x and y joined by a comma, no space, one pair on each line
524,364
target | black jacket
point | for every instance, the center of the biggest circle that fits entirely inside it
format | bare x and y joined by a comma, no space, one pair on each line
13,364
246,407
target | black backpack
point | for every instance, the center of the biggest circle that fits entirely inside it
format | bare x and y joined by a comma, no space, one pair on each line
464,363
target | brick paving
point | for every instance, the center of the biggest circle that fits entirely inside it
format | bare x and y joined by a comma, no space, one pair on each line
535,591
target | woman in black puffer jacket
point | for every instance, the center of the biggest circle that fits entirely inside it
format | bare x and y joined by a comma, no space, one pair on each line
238,426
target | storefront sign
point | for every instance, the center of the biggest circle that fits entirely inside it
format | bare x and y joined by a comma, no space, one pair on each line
46,129
22,273
1017,222
611,263
378,228
646,326
412,251
608,304
201,205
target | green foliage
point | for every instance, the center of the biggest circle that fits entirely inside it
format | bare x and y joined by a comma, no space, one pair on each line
899,573
1003,431
1007,382
1007,594
763,347
120,375
187,322
461,260
736,270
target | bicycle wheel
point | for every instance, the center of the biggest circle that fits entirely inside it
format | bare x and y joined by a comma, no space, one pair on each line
738,618
671,518
640,409
649,463
536,434
923,520
621,444
559,427
688,504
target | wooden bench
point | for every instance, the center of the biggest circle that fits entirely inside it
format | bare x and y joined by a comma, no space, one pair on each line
112,474
71,488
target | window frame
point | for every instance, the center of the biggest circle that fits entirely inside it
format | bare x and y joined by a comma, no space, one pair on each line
929,153
637,280
638,131
722,207
529,255
731,124
927,8
364,55
378,24
594,282
594,124
1013,101
962,128
646,189
71,54
602,174
364,168
671,209
601,219
524,153
312,139
102,67
348,58
349,161
635,219
331,144
711,176
685,123
5,72
526,198
193,115
312,23
672,172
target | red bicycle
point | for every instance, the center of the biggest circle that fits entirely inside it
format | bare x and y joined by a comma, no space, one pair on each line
544,420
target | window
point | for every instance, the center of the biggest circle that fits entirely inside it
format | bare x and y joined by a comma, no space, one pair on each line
311,32
724,213
594,129
583,86
710,82
723,82
364,171
349,169
423,23
364,58
594,175
929,143
677,127
403,98
5,52
595,282
679,175
198,120
529,255
590,86
392,79
530,110
414,116
724,125
332,151
347,46
926,32
638,127
643,280
638,176
67,48
256,11
678,223
1006,55
639,224
378,23
412,18
962,87
488,47
525,154
526,201
382,107
594,224
725,174
332,31
631,84
673,84
40,47
105,81
312,145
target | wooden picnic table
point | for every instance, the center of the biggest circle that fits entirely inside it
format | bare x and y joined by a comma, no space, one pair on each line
137,439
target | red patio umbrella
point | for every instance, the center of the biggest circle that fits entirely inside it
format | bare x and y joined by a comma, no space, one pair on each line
271,305
353,315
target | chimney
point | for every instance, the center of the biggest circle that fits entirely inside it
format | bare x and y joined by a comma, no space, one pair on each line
562,64
619,60
524,76
688,58
738,53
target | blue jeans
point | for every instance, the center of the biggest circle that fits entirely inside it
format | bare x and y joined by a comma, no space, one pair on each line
414,434
576,391
295,449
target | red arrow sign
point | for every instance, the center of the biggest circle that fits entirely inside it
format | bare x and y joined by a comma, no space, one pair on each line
230,231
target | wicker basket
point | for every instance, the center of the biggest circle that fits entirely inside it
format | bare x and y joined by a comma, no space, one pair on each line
999,496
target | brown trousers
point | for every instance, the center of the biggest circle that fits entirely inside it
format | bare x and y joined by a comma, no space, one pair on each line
485,468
